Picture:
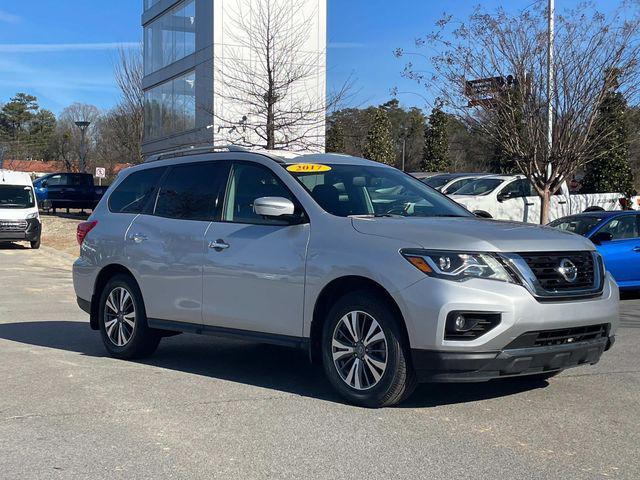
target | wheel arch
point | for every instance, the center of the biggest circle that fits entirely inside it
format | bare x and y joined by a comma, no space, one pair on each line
103,277
336,289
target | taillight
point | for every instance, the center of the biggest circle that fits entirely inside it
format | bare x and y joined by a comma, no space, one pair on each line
83,229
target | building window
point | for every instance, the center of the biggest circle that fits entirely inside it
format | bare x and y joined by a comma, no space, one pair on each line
149,3
170,107
170,37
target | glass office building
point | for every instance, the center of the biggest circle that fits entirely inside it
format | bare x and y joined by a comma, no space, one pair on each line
181,40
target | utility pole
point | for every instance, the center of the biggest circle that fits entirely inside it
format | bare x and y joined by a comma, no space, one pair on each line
2,150
550,83
404,145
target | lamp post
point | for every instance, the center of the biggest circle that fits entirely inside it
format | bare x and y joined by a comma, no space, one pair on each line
83,125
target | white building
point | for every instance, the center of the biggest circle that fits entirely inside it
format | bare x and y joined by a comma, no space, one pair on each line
206,69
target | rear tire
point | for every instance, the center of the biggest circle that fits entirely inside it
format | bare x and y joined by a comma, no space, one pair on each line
123,320
371,369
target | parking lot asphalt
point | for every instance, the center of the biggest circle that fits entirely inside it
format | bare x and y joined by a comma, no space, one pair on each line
209,408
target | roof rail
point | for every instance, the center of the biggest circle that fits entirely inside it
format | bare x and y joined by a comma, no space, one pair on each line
183,152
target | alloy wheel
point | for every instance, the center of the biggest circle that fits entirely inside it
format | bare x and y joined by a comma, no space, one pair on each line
119,316
359,350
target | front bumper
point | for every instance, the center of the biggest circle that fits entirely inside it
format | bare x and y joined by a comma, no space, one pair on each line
438,366
30,234
426,304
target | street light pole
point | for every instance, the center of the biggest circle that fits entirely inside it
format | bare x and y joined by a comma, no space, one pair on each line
550,81
83,125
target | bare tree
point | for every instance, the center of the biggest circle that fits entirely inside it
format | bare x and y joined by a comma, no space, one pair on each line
127,120
593,54
267,79
69,138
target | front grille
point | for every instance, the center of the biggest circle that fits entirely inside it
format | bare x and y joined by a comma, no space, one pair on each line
547,338
10,226
545,266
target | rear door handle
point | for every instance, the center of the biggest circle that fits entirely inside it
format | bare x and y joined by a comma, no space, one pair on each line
219,245
636,249
529,204
562,202
138,238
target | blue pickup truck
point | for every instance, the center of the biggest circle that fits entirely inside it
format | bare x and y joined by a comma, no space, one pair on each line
68,190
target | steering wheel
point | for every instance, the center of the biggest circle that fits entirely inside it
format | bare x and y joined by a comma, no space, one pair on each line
399,210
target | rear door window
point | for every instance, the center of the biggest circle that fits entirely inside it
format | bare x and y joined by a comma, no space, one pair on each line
135,191
192,191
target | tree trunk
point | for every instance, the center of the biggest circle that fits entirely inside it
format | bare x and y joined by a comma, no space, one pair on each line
545,204
271,128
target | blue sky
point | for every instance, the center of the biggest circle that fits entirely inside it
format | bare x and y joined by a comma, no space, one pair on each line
64,51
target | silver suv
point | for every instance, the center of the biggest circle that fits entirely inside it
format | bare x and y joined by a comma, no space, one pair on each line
383,280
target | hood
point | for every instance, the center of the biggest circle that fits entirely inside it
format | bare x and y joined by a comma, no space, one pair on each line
472,234
16,213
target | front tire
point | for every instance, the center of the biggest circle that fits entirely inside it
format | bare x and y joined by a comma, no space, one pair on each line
123,320
35,244
364,353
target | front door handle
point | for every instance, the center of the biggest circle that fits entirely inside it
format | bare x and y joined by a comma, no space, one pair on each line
219,245
138,238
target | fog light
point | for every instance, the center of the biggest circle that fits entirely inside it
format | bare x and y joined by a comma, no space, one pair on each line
460,323
467,325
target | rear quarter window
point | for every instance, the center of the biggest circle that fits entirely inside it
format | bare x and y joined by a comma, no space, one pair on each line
135,191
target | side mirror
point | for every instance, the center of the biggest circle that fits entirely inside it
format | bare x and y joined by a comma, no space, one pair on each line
274,207
43,184
601,237
503,196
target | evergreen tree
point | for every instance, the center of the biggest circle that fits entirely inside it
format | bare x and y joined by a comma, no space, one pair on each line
17,113
379,141
335,138
609,170
436,143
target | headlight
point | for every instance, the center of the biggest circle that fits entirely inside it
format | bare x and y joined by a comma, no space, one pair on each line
32,215
459,266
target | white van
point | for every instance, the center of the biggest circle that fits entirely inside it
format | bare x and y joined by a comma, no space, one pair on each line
19,217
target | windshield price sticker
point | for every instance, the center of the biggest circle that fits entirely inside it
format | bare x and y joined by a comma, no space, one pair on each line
308,168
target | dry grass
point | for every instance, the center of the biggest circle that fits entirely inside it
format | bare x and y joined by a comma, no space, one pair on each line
59,232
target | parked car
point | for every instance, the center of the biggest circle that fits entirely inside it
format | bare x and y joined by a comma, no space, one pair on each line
617,238
512,197
383,280
68,190
423,175
449,183
19,217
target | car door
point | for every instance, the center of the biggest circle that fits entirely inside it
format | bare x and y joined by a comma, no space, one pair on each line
55,185
166,245
254,268
514,202
622,254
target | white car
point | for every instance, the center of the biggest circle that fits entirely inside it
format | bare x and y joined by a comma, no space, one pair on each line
449,183
512,197
19,218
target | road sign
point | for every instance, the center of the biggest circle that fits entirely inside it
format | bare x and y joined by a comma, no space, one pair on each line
101,172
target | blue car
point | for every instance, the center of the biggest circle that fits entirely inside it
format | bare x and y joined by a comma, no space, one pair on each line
617,238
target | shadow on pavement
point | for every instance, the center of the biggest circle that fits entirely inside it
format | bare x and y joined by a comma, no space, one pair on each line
12,246
630,294
265,366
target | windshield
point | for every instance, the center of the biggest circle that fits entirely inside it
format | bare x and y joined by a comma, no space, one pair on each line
347,190
16,196
579,225
437,181
457,185
482,186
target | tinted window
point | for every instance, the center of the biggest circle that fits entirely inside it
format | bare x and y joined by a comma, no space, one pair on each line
191,192
519,188
135,191
55,180
368,190
580,225
78,180
249,182
622,228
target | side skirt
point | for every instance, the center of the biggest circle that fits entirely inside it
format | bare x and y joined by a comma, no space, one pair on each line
247,335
